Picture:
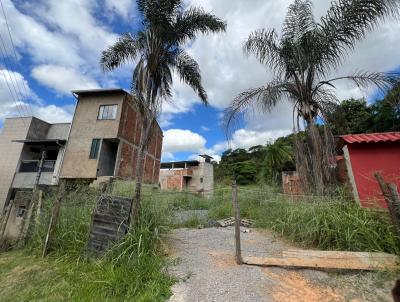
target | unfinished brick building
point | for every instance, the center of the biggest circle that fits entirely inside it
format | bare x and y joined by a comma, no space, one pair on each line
195,176
104,138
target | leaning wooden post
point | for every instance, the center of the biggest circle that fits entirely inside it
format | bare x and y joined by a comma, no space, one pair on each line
237,223
55,213
390,194
4,222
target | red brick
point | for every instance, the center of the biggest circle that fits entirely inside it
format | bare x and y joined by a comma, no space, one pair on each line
125,167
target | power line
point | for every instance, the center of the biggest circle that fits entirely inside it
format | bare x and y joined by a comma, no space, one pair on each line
12,96
15,53
11,75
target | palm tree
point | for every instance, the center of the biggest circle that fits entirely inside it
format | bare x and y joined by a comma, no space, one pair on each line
158,51
276,155
301,60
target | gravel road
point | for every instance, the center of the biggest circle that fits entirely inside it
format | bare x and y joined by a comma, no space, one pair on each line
207,272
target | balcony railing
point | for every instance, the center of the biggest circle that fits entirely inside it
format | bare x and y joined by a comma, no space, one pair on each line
29,166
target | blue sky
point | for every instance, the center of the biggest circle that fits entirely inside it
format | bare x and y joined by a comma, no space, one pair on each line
58,46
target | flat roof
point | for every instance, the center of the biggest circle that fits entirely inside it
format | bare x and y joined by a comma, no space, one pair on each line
38,141
100,90
176,164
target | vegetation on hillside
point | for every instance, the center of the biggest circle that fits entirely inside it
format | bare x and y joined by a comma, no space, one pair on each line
357,116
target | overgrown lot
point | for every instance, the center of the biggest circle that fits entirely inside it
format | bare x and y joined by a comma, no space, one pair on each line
328,223
135,269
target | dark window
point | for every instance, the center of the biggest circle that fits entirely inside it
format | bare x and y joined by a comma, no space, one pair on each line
107,112
201,180
94,149
20,211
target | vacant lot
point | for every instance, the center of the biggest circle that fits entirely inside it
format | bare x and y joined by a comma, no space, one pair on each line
136,268
208,272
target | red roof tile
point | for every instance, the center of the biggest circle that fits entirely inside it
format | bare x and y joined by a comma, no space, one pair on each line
371,137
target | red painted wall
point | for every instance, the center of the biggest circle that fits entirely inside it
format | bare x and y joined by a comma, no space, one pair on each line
366,158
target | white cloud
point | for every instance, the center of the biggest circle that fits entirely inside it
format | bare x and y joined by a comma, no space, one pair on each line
204,128
167,156
124,8
42,44
63,79
179,140
54,114
13,106
244,138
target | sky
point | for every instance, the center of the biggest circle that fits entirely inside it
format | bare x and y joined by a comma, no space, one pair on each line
58,46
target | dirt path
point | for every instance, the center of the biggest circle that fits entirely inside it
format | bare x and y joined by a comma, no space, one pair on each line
208,272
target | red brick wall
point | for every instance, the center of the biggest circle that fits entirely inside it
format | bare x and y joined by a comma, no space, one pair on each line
156,172
291,183
148,169
125,163
130,131
174,182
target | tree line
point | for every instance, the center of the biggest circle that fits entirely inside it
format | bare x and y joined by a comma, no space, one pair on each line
264,163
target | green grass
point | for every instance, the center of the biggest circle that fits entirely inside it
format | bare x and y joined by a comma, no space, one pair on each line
331,223
133,270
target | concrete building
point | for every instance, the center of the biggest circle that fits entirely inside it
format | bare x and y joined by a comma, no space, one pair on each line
195,176
22,143
104,138
101,141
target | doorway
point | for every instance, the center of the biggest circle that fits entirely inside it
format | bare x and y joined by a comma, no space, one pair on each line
108,158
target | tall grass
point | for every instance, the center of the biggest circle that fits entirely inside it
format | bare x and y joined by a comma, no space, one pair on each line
328,223
132,270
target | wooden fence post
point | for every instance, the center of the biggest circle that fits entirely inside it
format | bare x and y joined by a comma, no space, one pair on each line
4,222
237,223
55,213
392,200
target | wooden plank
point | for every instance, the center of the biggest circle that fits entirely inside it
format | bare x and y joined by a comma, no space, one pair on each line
334,254
235,202
329,260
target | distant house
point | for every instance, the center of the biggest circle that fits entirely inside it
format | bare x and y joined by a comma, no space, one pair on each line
101,141
364,154
195,176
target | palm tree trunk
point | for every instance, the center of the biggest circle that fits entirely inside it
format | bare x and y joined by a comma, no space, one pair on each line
139,169
316,156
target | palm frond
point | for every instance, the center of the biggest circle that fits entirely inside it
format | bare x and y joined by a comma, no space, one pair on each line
363,79
125,49
299,20
195,20
189,72
264,45
265,97
348,21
